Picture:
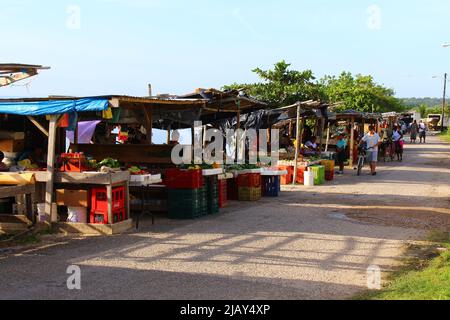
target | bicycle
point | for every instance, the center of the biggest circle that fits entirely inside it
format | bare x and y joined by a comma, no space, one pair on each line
362,156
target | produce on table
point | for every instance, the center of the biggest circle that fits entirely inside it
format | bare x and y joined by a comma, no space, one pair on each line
136,171
110,163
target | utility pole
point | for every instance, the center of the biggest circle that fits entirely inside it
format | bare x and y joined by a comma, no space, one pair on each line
444,103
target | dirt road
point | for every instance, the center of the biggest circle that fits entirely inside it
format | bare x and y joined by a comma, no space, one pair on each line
311,243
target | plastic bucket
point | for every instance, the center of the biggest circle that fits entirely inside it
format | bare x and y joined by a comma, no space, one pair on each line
77,215
309,177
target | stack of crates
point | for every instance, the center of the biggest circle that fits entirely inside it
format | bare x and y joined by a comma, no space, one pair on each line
232,189
271,186
99,206
212,187
289,178
187,194
329,169
250,187
223,193
319,175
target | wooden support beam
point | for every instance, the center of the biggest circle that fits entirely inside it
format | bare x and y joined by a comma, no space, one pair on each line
51,159
352,141
148,114
38,125
298,142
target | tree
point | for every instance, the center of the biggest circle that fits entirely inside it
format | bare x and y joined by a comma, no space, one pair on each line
282,86
360,93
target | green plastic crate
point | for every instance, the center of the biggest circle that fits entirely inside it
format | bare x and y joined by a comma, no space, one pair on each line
319,175
187,203
212,186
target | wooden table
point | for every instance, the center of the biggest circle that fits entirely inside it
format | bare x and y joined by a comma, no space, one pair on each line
26,190
89,179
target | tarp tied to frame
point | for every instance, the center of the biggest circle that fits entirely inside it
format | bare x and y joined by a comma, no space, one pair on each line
53,107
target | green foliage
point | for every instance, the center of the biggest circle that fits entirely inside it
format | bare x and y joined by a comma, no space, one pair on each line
360,93
417,102
281,86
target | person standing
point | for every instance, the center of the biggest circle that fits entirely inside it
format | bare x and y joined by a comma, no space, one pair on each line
397,137
414,130
423,132
341,147
373,141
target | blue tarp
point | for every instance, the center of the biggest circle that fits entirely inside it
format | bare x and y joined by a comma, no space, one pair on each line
53,107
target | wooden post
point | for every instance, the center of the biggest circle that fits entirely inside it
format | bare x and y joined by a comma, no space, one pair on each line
322,129
297,145
328,137
352,141
149,124
51,157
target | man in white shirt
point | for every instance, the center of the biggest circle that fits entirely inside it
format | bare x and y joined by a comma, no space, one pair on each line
422,132
312,145
373,141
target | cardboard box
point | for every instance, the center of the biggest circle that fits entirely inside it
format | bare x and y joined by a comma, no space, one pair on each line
73,198
12,146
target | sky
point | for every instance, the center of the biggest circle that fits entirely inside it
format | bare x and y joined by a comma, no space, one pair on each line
101,47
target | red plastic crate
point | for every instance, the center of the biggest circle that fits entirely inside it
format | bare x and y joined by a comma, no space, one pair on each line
97,217
223,193
301,175
184,179
289,178
249,180
99,199
232,189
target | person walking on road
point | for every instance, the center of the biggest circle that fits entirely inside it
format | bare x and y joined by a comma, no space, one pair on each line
423,132
414,130
373,141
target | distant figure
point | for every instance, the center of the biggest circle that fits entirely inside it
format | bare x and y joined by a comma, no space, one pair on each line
312,145
422,132
397,137
414,131
175,138
341,147
3,167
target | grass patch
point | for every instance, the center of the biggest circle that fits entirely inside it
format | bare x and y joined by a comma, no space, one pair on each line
425,275
445,136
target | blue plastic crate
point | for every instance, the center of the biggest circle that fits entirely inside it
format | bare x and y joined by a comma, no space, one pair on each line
271,186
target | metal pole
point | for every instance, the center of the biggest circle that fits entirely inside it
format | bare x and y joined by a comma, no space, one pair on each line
444,103
297,145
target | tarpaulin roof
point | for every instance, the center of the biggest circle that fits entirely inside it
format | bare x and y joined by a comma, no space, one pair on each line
52,107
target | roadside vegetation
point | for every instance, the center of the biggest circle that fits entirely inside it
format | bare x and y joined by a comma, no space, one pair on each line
424,276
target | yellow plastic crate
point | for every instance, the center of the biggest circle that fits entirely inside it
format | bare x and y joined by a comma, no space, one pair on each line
250,194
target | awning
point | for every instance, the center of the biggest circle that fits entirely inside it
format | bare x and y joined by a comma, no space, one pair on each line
53,107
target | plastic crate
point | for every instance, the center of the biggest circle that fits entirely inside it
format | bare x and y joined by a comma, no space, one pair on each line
223,193
328,164
289,178
249,194
99,199
319,175
232,189
249,180
329,175
301,175
184,179
97,217
271,186
187,203
212,186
